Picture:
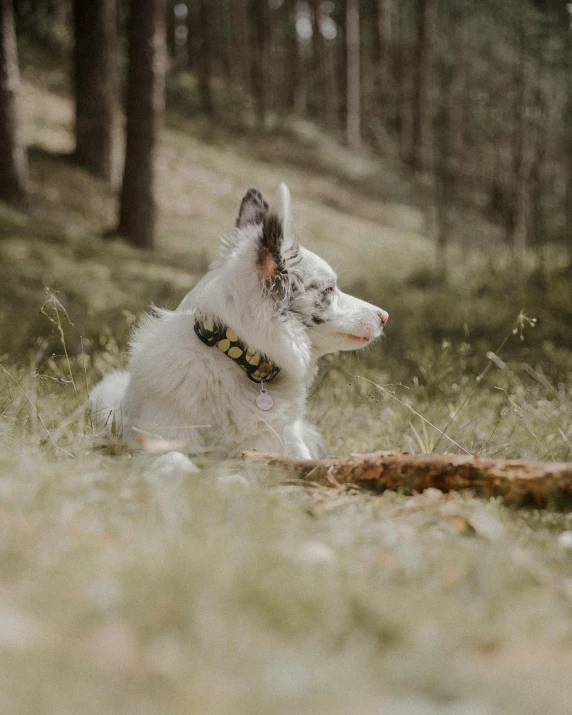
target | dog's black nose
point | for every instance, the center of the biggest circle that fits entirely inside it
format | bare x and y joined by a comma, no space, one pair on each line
383,317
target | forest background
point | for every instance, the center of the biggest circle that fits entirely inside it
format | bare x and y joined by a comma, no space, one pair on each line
428,147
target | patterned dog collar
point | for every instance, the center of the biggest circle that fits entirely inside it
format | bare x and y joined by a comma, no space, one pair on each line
258,367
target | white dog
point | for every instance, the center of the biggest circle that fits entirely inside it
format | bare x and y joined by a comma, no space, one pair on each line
229,369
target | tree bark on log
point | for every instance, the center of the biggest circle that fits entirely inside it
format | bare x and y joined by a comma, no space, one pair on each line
530,484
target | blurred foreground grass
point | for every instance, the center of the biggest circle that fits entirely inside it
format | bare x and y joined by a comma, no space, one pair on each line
231,591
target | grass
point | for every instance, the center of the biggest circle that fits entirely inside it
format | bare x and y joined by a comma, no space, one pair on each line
232,591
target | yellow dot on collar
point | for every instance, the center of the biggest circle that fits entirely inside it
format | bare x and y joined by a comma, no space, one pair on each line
253,359
234,352
231,335
208,325
223,345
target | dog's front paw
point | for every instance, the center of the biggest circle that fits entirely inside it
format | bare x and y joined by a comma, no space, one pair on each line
173,463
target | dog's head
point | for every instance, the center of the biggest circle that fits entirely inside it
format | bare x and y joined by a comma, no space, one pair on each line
263,253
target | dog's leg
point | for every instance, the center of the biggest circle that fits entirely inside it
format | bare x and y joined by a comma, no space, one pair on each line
303,440
106,402
173,462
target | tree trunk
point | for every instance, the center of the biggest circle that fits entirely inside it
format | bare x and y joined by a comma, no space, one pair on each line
441,170
383,45
260,35
518,483
292,52
515,220
144,111
193,34
568,144
399,76
170,28
342,62
422,84
536,224
13,163
204,56
353,83
442,134
240,55
317,74
95,35
220,37
459,99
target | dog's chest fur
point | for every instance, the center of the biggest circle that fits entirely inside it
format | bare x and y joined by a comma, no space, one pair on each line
184,391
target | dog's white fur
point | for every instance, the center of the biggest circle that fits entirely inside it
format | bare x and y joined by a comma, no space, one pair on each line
179,390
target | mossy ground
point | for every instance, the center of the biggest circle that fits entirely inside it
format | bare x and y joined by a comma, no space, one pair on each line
231,591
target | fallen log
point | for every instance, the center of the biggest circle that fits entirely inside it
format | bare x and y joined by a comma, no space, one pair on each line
531,484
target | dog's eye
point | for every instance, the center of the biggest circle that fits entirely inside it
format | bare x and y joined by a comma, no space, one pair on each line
330,289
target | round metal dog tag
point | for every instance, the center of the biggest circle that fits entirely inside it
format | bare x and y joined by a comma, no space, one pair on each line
264,401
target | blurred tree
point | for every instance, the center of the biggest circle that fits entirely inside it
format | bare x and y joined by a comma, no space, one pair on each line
515,220
568,133
220,36
94,36
441,135
170,27
292,56
239,50
399,71
204,54
353,82
144,110
260,38
422,83
317,75
340,18
193,30
536,226
382,54
13,163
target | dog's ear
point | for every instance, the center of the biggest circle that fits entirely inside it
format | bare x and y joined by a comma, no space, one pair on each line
278,249
253,208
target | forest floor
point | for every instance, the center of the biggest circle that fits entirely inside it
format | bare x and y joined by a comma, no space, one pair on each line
231,591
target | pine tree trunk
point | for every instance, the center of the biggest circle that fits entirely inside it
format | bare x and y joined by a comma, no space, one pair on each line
353,102
317,74
220,37
144,111
13,163
95,35
342,62
383,45
193,33
442,147
569,193
400,81
170,27
568,145
421,98
516,220
204,57
239,62
292,52
260,33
